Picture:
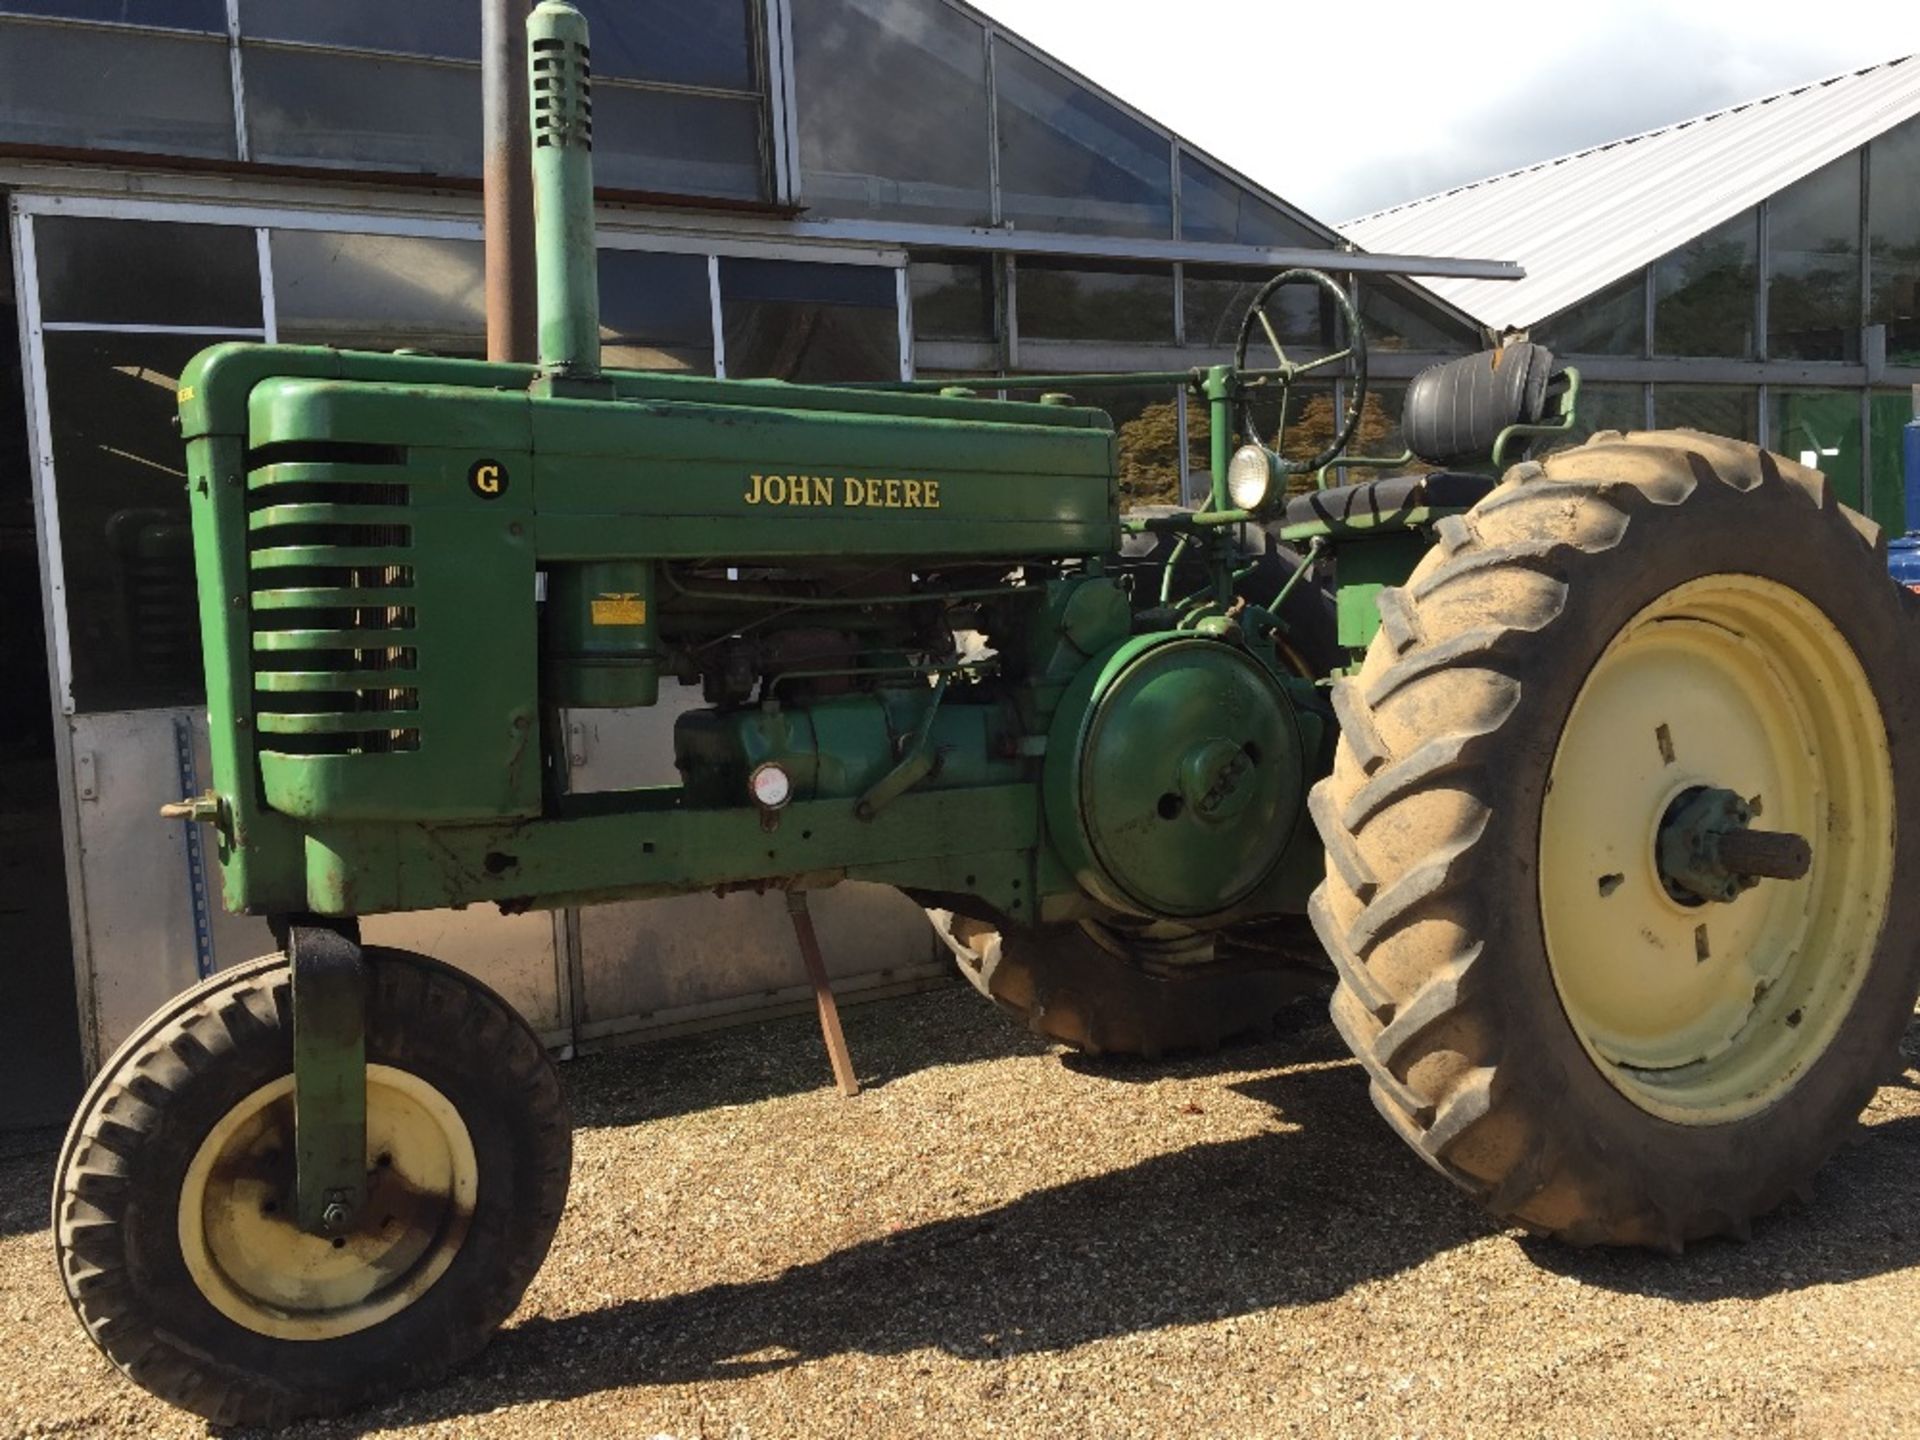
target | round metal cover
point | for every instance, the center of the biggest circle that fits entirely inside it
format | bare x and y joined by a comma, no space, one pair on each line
1189,778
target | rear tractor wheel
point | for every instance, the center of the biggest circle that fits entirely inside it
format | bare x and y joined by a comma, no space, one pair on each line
1612,835
173,1204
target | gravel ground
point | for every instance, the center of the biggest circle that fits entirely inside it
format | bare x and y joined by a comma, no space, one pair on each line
995,1239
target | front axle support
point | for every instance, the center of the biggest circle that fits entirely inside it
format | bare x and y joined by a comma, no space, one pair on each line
329,1073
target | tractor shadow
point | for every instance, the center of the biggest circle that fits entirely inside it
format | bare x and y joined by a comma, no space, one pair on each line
666,1078
1294,1217
1212,1231
27,1160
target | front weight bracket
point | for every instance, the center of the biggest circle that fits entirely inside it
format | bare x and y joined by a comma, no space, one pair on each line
329,1071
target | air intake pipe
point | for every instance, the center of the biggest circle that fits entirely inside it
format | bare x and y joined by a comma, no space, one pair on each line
560,110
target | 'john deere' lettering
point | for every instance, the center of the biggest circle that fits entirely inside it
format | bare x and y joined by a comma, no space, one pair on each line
842,492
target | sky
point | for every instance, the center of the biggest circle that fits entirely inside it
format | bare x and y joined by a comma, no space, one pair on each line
1349,107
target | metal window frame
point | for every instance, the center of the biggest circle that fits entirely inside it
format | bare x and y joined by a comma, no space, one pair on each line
716,317
77,22
903,318
450,62
782,109
994,211
241,148
46,531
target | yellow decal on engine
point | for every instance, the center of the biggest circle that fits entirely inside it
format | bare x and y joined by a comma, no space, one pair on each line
850,490
618,609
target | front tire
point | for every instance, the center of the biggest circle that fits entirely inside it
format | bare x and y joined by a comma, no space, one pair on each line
173,1205
1590,1053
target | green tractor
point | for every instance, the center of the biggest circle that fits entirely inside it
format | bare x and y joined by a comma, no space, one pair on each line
1588,779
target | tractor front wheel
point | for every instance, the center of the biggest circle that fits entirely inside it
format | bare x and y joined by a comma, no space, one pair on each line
173,1204
1623,795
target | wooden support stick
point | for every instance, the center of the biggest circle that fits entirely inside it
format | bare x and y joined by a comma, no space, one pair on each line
822,993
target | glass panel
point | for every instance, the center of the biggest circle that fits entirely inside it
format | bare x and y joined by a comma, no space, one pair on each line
1215,209
127,548
1087,300
707,44
1070,161
1378,432
1612,322
363,113
447,28
1703,292
953,297
1146,423
1890,411
115,90
1147,426
1733,411
656,312
1217,300
675,144
1821,428
208,15
1893,223
710,44
910,141
379,292
804,321
1398,319
143,272
1813,251
1606,407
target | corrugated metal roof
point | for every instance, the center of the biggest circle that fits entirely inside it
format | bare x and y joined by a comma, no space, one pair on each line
1586,219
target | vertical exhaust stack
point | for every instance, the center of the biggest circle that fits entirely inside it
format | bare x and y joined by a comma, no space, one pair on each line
561,118
600,646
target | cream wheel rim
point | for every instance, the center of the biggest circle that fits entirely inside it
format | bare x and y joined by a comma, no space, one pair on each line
260,1270
1703,1013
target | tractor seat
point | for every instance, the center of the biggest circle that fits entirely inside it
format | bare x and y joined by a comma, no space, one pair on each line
1372,501
1455,413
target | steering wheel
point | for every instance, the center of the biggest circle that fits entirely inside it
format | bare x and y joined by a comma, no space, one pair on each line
1284,372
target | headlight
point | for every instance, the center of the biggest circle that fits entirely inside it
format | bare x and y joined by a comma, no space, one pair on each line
771,786
1250,477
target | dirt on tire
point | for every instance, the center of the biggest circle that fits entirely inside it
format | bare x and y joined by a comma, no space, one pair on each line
1432,815
118,1186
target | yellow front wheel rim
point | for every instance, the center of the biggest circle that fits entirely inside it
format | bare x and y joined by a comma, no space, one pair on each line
1703,1013
260,1270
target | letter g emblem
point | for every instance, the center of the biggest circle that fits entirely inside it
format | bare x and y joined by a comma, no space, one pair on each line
487,479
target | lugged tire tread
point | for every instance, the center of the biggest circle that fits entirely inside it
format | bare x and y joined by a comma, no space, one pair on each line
1541,520
196,1030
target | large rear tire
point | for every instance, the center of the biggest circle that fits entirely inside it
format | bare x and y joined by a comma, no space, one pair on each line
172,1206
1545,1020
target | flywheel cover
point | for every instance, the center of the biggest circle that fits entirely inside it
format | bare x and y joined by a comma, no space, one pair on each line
1186,779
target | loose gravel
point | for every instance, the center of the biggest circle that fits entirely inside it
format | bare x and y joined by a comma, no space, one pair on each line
995,1239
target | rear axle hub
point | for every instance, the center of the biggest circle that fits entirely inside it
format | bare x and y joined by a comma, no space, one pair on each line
1707,852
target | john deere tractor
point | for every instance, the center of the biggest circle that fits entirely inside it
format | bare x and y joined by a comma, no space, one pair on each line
1589,778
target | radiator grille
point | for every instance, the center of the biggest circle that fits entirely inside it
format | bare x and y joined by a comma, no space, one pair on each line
335,658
